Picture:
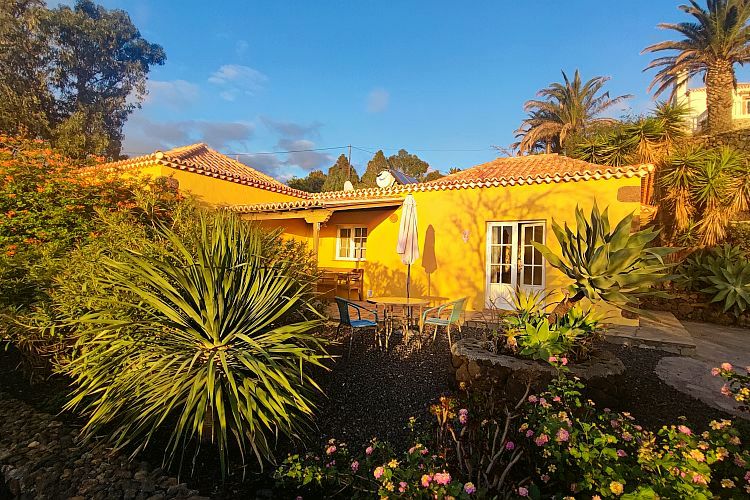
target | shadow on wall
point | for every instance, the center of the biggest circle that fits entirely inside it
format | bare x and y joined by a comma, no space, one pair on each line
384,280
468,226
429,258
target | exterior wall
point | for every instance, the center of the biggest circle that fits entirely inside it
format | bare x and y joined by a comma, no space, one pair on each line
452,234
214,191
695,99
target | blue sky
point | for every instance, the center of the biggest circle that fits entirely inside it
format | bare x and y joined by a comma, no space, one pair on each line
247,76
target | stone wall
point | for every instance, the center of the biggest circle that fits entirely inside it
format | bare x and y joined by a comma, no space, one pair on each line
738,139
694,306
478,368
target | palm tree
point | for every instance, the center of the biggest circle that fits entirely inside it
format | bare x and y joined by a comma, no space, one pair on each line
566,109
718,39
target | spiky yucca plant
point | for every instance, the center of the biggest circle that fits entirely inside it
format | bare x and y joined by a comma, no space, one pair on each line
606,264
198,349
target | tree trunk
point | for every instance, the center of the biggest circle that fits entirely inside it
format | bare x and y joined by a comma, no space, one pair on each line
565,305
719,96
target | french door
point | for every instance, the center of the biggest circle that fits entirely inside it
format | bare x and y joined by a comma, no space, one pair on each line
512,261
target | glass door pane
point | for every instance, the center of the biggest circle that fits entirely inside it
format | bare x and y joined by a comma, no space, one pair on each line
532,262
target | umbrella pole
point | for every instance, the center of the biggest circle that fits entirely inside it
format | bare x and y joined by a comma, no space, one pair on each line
408,279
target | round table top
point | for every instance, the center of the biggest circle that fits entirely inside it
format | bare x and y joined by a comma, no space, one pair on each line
399,301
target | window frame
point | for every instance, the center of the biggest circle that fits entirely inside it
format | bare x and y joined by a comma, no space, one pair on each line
352,242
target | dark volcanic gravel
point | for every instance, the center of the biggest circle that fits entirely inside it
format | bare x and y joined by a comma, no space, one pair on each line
374,392
652,402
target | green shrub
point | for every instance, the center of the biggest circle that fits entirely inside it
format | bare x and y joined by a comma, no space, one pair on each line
532,332
574,448
201,341
722,273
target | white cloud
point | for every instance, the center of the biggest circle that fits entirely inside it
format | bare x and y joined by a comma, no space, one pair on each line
237,80
377,100
175,94
144,135
292,130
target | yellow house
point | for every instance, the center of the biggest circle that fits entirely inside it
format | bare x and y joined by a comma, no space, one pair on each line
476,227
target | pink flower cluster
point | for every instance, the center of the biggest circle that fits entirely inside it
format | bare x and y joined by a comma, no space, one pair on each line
562,360
463,416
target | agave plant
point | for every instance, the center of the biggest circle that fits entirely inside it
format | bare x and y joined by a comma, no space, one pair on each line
606,264
721,272
198,349
730,285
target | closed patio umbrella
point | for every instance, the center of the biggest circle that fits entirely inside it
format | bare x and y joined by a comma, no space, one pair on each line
408,242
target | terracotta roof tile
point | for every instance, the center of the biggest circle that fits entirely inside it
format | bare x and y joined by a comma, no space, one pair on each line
517,170
199,158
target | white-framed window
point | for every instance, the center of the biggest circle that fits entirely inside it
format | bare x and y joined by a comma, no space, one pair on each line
351,243
746,105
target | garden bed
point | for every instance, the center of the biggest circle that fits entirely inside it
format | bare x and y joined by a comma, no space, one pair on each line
374,393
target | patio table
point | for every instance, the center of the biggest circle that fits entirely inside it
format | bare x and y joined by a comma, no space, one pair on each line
389,303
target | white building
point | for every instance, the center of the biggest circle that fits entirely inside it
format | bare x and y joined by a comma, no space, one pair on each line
695,99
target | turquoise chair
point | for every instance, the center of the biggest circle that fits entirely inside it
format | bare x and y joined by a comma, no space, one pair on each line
345,319
439,316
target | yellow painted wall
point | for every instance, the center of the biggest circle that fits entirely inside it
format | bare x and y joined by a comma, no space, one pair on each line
449,267
214,191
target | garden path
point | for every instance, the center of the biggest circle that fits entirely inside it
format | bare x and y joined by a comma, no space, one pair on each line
714,344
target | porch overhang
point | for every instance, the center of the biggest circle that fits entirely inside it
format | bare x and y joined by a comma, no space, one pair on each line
312,210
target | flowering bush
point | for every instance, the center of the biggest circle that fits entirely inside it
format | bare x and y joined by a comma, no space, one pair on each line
737,386
374,470
478,438
575,449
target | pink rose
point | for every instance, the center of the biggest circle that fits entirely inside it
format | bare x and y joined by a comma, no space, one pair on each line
685,430
544,477
556,399
523,492
369,450
402,486
331,450
378,472
552,359
532,399
727,367
564,361
355,466
510,445
715,372
562,435
426,480
725,390
529,433
621,453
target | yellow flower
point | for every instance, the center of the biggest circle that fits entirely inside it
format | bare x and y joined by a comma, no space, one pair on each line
393,464
727,483
697,455
616,487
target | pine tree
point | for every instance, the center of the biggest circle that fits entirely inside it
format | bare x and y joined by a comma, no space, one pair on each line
409,164
339,173
377,164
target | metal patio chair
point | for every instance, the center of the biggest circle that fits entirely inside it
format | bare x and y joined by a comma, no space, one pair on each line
440,316
345,319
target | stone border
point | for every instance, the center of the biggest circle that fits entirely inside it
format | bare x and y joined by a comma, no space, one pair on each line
475,366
